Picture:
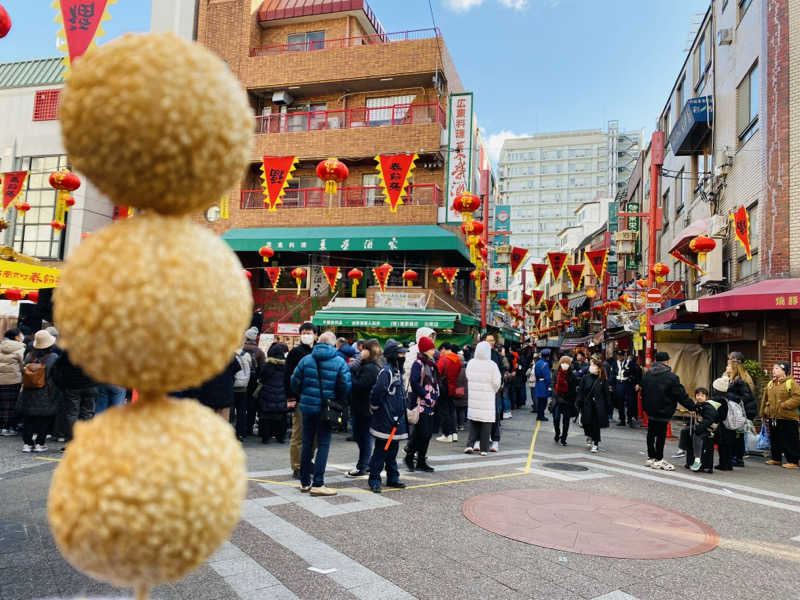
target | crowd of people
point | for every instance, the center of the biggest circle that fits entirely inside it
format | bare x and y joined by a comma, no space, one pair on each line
395,394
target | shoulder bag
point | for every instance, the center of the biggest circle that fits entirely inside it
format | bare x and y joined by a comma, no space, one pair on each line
331,411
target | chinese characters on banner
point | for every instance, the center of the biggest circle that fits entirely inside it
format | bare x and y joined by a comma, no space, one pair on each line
13,182
517,256
497,280
459,151
27,277
80,21
224,207
557,260
273,273
276,171
741,229
537,297
394,171
575,274
539,271
331,275
597,261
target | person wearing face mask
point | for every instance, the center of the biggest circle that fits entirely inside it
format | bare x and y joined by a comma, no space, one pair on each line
308,335
592,400
565,389
779,405
12,352
423,394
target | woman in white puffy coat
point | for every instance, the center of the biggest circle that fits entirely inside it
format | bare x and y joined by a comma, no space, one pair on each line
483,381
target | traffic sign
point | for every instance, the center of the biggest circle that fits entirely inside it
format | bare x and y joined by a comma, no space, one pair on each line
653,296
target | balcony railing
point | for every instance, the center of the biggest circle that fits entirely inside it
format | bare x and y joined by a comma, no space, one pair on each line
347,42
348,118
349,195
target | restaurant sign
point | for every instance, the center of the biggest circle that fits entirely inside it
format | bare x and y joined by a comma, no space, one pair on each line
459,152
27,277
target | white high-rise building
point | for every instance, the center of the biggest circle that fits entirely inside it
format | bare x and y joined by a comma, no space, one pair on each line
547,176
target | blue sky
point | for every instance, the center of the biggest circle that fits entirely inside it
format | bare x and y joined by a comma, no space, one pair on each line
534,65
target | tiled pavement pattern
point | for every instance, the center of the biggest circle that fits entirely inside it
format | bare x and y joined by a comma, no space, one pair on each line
417,544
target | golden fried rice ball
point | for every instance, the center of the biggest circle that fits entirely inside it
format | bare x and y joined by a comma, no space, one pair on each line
156,122
147,491
153,302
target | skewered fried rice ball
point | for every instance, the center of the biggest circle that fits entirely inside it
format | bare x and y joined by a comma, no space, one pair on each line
136,513
147,491
156,122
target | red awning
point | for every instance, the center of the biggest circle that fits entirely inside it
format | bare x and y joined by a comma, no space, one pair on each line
666,315
770,294
681,241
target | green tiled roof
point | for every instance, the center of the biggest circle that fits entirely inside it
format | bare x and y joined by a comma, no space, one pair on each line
31,73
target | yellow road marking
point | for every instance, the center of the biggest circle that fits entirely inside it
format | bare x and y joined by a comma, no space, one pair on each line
533,443
47,458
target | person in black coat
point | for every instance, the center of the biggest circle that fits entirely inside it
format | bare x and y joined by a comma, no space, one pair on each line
592,401
624,376
272,396
661,393
740,390
565,390
79,392
308,335
364,378
700,455
217,392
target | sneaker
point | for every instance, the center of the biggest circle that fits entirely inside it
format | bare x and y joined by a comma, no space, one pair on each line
476,446
507,415
588,441
650,462
468,450
679,454
790,466
445,439
773,462
305,488
595,449
40,448
664,466
397,485
695,465
495,447
7,432
356,474
62,439
563,442
454,437
323,490
27,448
375,488
484,454
409,460
425,467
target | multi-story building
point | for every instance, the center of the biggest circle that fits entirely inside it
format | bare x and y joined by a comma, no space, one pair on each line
325,79
30,140
546,177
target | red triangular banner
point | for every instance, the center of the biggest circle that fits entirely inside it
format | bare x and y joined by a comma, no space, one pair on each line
81,22
597,260
575,274
276,171
539,271
556,261
517,256
331,274
273,273
537,319
381,274
449,275
526,297
564,302
537,297
394,171
13,182
549,306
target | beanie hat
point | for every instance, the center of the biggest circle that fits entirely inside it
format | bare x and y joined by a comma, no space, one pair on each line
721,384
251,334
787,369
424,344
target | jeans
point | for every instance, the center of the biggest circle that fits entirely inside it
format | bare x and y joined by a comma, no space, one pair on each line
79,404
314,428
38,426
381,458
507,398
656,437
364,440
561,421
108,395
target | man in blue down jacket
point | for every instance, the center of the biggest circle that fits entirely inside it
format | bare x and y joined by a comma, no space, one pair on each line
321,367
541,389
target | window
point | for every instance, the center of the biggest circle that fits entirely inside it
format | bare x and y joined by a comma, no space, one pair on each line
747,103
372,190
680,191
750,267
679,96
380,114
701,57
32,233
665,207
665,125
743,6
45,103
308,40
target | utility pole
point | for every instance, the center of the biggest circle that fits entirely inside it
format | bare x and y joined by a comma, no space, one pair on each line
654,219
484,193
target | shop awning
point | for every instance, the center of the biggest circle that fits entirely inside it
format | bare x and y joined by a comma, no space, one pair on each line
681,241
692,127
577,301
393,319
575,342
377,238
510,334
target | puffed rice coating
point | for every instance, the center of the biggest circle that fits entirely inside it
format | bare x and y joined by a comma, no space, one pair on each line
147,491
152,303
156,122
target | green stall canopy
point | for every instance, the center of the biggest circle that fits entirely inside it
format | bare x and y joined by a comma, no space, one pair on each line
394,319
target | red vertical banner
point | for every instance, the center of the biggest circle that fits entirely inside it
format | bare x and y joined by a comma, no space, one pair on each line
81,24
557,260
394,171
741,229
13,182
276,171
539,271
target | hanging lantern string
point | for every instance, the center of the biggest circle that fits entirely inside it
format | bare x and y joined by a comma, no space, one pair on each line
352,263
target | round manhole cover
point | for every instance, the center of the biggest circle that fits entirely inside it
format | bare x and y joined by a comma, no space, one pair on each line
594,524
564,467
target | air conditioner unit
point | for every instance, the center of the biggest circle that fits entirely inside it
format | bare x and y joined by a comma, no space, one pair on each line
712,264
725,37
718,226
283,98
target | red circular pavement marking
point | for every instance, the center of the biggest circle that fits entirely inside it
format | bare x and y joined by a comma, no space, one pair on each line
593,524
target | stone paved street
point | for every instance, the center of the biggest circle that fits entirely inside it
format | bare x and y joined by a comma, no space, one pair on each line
416,543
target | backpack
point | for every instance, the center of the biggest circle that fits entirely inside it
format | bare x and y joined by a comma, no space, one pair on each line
735,418
242,377
34,374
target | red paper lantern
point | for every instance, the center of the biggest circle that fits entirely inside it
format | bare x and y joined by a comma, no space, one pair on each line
586,314
247,273
614,305
299,274
477,275
466,203
484,254
702,244
574,319
439,274
472,228
5,22
332,171
57,225
266,253
22,207
660,270
69,201
354,275
13,294
410,276
642,283
64,179
626,298
33,296
502,301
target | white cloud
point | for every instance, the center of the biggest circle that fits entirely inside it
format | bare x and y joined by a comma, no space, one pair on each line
515,4
494,143
462,5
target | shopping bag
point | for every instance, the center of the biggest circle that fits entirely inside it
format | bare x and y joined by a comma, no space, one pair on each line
763,438
685,441
751,443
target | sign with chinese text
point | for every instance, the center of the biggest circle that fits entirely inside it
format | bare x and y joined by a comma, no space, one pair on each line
539,271
498,280
597,261
13,182
287,328
795,354
394,171
276,171
401,299
613,219
633,224
741,229
502,217
80,21
224,207
27,277
729,333
459,151
557,260
575,274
